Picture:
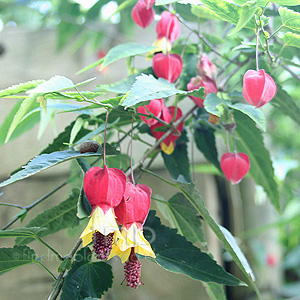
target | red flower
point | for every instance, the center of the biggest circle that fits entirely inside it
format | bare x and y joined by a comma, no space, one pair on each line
168,144
155,107
259,87
142,15
168,27
149,3
235,166
205,67
197,82
167,66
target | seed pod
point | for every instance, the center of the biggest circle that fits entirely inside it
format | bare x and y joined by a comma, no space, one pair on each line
89,146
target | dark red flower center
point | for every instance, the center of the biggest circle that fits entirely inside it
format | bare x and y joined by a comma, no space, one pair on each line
132,270
102,244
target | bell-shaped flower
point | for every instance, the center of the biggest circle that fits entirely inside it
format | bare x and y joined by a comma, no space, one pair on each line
167,66
197,82
235,166
168,144
168,26
154,107
104,189
205,67
141,15
258,87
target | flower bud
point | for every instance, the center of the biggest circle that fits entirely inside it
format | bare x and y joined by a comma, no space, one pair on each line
167,66
205,67
197,82
141,15
258,87
235,166
155,107
168,27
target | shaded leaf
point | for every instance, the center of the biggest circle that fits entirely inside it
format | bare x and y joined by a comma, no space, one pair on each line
292,39
215,291
20,88
21,232
290,18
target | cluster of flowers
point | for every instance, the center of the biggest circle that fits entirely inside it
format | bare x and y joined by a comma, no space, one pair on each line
115,203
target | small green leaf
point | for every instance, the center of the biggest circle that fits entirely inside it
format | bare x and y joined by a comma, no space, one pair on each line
20,88
91,66
11,258
85,278
75,129
215,291
65,265
290,18
84,208
292,39
21,232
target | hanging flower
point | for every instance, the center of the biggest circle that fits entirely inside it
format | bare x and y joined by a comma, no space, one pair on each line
258,87
104,189
142,14
131,213
205,67
168,144
168,27
155,107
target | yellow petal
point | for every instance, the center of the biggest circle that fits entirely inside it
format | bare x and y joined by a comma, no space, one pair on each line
167,149
124,255
163,45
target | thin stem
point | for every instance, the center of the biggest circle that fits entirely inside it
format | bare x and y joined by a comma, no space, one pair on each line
12,205
159,177
291,72
275,31
38,262
131,150
279,53
49,247
227,141
104,145
159,200
256,50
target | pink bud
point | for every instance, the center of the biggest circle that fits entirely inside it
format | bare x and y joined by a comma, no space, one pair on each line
104,187
197,82
155,107
168,27
167,66
205,67
235,166
259,87
149,3
134,206
271,260
141,15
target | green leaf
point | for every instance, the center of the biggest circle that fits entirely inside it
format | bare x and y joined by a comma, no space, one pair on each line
178,162
205,141
86,278
146,87
290,18
84,208
91,66
11,258
292,39
76,129
250,141
215,291
227,12
258,2
21,232
287,2
54,219
203,12
124,50
20,88
175,254
45,161
247,12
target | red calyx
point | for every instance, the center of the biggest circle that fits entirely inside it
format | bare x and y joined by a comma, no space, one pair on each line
155,107
167,66
149,3
235,166
205,67
258,87
168,27
142,14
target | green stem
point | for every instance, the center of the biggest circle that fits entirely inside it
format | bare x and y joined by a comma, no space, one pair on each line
159,177
12,205
38,262
49,247
275,31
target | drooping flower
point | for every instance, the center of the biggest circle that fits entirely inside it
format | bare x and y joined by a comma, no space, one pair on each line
142,15
104,189
235,166
131,213
167,66
155,107
205,67
197,82
168,144
258,87
168,27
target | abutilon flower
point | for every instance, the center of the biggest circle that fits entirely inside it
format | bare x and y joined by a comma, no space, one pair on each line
197,82
167,66
235,166
168,144
205,67
258,87
155,107
168,27
142,14
131,213
104,189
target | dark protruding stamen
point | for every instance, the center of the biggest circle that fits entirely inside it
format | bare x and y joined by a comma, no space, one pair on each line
102,244
132,270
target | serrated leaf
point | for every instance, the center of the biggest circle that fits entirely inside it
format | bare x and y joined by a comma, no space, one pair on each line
177,163
21,232
146,87
290,18
292,39
287,2
45,161
20,88
85,278
124,50
11,258
250,141
174,253
204,13
55,218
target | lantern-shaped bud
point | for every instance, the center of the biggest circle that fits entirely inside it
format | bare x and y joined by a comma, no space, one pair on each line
167,66
104,189
197,82
168,144
168,27
205,67
141,15
155,107
258,87
235,166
